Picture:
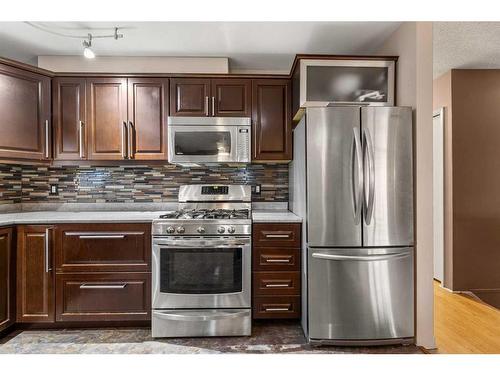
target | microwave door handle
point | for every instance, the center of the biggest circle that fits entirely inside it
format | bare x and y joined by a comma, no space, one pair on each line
193,244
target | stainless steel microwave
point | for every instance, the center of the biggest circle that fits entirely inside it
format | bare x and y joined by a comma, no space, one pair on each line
205,140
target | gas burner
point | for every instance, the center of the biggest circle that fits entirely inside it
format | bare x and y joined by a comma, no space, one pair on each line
197,214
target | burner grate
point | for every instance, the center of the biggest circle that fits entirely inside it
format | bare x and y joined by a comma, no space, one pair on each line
207,214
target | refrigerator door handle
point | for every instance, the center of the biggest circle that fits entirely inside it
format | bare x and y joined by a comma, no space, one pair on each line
369,157
357,168
360,257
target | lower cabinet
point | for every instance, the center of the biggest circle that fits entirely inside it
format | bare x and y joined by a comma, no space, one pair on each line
103,297
7,280
35,274
79,273
276,271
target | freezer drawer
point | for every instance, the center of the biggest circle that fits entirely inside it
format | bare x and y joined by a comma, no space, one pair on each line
360,294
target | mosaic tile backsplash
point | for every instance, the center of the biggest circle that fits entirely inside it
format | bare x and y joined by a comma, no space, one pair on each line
123,184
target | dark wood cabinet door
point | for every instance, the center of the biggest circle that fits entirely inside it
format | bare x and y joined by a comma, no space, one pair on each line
189,97
231,97
103,297
103,247
147,116
107,118
25,114
7,281
35,276
272,127
68,113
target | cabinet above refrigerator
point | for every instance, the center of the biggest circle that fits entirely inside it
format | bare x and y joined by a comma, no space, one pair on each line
330,81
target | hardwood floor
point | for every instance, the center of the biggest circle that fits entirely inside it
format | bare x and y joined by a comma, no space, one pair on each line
464,325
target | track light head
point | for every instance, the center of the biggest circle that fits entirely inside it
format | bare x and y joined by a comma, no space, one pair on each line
87,50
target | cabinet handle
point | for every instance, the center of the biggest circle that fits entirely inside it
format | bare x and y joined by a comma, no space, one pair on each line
206,106
124,141
80,134
277,309
46,248
278,260
47,140
213,105
102,237
277,236
277,285
130,140
110,286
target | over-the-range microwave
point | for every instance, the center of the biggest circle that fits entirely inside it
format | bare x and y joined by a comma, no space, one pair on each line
207,140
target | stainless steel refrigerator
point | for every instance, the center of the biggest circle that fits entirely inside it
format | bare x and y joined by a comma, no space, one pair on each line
351,180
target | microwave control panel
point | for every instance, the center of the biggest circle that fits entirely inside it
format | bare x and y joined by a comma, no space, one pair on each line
244,138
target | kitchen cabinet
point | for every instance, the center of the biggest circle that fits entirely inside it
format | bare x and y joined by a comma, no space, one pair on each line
107,118
103,248
271,120
103,297
276,284
25,113
103,272
7,280
231,97
35,275
110,118
147,118
69,118
222,97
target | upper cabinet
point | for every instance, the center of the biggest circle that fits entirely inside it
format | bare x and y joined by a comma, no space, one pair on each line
341,80
231,97
107,118
223,97
271,120
25,114
69,118
147,118
110,118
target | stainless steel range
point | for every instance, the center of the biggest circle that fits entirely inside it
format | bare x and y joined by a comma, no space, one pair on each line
202,264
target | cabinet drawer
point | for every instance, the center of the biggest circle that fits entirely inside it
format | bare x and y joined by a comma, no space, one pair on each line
276,259
287,235
276,283
103,297
276,307
103,247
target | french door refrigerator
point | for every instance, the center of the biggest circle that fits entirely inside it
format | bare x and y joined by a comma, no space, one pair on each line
352,182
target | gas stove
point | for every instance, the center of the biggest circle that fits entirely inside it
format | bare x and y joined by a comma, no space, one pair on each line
208,210
202,264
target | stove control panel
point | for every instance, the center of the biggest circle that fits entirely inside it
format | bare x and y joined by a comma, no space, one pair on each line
198,229
214,190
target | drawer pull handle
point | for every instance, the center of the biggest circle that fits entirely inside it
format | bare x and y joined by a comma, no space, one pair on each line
277,236
278,260
103,237
111,286
277,285
277,309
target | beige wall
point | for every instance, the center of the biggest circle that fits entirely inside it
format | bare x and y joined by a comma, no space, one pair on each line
412,42
135,64
441,98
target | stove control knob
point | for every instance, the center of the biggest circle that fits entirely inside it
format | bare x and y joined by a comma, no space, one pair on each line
231,229
200,230
180,230
221,230
170,230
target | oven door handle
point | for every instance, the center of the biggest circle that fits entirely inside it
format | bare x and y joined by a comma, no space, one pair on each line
197,244
198,318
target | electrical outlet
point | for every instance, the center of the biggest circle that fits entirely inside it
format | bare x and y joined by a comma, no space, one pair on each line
54,190
257,189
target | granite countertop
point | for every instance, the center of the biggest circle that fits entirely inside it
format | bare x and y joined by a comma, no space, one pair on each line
275,216
49,217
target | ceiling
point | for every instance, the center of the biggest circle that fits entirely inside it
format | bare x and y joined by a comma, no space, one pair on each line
250,46
466,45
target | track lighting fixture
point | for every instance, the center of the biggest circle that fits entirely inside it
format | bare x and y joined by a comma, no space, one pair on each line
87,50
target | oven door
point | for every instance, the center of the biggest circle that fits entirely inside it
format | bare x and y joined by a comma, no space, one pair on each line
202,144
201,273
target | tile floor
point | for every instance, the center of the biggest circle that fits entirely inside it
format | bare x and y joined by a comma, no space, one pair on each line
267,337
